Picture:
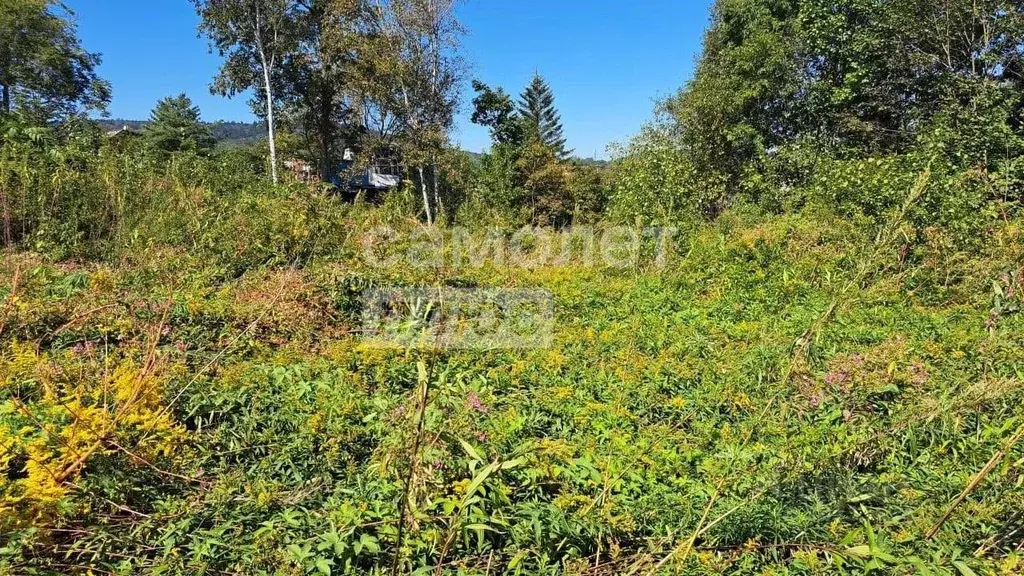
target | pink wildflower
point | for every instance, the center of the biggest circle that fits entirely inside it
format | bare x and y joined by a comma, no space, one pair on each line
992,320
921,374
817,399
473,401
834,378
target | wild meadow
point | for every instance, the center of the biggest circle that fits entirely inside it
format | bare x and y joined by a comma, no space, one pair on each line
803,393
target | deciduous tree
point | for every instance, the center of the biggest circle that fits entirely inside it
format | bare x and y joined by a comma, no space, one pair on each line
255,37
494,109
320,79
44,71
413,87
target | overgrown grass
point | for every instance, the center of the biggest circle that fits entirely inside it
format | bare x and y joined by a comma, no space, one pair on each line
799,394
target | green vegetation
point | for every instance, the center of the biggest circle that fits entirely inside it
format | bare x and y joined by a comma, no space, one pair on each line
175,126
44,72
537,109
867,93
821,373
527,177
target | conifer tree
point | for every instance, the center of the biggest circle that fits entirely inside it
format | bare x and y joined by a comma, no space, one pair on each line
175,126
537,108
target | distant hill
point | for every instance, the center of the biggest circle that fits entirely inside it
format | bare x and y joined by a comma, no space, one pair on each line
226,133
477,156
237,133
593,162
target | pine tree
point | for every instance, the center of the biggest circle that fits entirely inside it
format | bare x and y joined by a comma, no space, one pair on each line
175,126
537,108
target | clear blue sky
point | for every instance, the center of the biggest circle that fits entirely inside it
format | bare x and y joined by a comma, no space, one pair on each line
606,60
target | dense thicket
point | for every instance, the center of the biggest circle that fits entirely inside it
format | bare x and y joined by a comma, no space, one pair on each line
861,94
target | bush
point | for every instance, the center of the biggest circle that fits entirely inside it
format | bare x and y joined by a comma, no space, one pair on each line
654,182
960,201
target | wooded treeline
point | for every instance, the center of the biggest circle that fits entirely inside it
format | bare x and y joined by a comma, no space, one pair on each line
856,95
375,76
845,103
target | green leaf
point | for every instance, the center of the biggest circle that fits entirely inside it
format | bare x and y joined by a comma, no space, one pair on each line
477,527
470,451
859,551
478,480
964,569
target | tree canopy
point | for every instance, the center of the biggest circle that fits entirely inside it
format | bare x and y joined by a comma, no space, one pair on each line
45,74
537,108
253,36
851,77
175,125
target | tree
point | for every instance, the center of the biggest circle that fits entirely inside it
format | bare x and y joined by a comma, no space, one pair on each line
255,37
743,98
413,85
175,126
537,108
544,177
495,110
44,71
526,170
320,86
819,79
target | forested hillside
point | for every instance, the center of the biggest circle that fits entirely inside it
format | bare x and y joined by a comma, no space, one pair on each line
226,133
780,332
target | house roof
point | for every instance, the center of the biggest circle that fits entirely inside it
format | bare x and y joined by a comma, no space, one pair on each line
124,131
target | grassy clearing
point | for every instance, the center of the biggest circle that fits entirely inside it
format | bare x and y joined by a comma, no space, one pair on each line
796,394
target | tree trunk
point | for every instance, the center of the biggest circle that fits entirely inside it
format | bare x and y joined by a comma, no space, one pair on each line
6,99
270,119
327,164
438,205
426,197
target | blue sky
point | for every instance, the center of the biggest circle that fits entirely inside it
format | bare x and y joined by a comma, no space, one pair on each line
606,60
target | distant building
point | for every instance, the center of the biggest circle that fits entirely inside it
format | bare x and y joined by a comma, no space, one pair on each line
381,174
123,133
301,170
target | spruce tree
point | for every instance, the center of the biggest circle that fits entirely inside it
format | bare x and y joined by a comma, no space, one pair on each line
537,108
175,126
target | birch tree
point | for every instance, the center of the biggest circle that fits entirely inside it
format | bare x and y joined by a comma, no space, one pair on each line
254,37
415,83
